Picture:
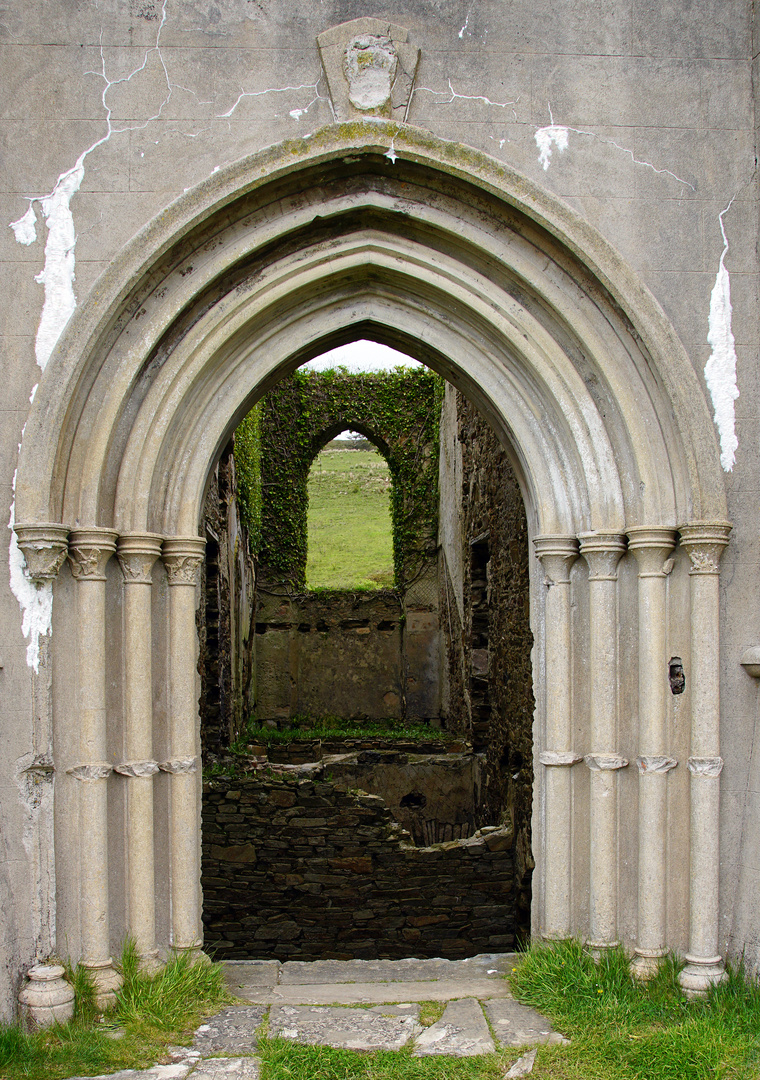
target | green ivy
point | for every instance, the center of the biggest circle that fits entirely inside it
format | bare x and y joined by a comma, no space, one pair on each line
398,410
248,470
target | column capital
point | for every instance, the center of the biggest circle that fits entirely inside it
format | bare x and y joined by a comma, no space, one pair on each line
44,547
137,553
89,551
182,557
602,552
705,542
557,555
651,548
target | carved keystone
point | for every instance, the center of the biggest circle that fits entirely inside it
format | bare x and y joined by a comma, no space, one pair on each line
370,67
44,548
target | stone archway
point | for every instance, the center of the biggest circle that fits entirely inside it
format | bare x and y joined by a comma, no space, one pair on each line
381,231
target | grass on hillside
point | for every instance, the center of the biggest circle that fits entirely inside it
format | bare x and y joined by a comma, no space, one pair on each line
350,542
151,1014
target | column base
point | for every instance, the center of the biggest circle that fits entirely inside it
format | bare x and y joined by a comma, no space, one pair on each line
646,963
150,962
599,948
700,973
194,952
106,980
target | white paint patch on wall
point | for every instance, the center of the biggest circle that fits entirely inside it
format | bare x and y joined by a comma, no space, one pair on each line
720,369
546,139
25,229
57,275
36,603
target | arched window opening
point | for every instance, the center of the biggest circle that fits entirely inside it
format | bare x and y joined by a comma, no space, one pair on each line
350,539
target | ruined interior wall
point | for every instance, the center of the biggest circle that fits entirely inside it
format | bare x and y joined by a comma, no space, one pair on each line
300,869
225,614
329,654
490,672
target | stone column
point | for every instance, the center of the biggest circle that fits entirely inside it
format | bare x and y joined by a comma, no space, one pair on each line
137,554
602,552
557,555
704,543
89,551
651,547
44,548
183,557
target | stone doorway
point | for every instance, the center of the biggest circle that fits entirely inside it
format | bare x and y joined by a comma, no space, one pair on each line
382,231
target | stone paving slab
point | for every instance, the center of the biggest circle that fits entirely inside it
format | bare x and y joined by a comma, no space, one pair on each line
158,1072
345,1029
242,1068
514,1024
461,1031
484,965
254,972
376,993
231,1031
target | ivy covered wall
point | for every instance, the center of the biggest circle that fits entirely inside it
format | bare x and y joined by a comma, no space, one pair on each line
397,410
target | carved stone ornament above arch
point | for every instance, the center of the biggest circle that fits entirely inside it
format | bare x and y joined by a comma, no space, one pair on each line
440,251
370,67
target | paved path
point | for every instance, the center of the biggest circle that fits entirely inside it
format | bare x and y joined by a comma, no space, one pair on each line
360,1005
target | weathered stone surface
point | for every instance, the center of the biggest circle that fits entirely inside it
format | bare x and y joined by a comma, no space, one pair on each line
231,1031
523,1066
333,972
462,1031
158,1072
514,1024
351,1029
229,1068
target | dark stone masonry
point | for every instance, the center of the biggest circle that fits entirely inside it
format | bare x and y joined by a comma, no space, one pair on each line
300,869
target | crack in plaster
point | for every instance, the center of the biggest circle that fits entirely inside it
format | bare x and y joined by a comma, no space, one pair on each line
464,97
467,20
295,113
557,135
720,369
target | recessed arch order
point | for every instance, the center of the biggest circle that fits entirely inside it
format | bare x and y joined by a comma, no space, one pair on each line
445,254
375,230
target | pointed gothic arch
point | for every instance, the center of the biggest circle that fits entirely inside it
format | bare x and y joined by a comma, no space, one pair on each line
459,261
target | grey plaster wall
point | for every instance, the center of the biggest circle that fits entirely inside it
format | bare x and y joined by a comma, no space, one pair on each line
145,99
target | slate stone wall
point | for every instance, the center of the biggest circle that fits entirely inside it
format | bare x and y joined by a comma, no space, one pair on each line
299,869
489,677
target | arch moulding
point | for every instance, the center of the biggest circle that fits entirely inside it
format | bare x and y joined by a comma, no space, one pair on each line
378,230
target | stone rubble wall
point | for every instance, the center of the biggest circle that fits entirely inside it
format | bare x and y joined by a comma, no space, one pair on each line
303,870
486,626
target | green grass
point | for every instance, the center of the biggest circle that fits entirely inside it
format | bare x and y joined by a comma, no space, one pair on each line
349,541
333,727
150,1014
283,1060
624,1030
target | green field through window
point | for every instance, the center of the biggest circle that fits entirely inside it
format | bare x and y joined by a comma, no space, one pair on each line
349,541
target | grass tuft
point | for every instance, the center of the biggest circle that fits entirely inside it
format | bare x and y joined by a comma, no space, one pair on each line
622,1029
283,1060
151,1013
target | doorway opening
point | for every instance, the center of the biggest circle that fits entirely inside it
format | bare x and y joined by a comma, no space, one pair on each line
373,751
